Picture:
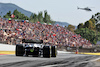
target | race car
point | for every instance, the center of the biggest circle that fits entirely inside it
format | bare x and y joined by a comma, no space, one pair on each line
35,48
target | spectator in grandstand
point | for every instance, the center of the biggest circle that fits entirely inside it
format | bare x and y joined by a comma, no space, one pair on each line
13,32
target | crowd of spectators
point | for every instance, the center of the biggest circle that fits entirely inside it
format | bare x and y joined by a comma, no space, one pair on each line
12,32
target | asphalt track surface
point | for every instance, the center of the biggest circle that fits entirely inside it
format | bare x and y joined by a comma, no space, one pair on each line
62,60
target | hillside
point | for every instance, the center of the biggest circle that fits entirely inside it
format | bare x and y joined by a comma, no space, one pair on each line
5,7
63,24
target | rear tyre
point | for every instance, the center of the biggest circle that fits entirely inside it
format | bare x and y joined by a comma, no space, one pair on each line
19,50
53,51
46,51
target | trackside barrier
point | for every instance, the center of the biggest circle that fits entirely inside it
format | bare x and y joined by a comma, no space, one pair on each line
7,47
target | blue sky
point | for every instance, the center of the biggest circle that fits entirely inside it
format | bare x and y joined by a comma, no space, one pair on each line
60,10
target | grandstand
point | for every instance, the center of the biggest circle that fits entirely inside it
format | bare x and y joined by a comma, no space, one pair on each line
12,32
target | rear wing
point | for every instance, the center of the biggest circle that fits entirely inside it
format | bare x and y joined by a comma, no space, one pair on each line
31,41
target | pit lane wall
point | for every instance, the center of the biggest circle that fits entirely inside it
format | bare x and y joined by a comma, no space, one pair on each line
7,47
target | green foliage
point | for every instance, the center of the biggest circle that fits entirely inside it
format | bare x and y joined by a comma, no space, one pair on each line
33,18
91,29
80,26
18,15
46,17
97,14
7,15
39,17
91,35
98,27
90,24
71,28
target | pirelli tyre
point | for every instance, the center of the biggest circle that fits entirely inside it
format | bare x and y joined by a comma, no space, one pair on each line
47,51
19,51
53,51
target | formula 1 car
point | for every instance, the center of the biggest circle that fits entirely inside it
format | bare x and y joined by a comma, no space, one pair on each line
35,48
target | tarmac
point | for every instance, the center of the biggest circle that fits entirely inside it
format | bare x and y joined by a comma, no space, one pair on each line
63,59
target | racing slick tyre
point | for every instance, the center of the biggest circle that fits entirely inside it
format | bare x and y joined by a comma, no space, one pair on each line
19,50
53,51
46,51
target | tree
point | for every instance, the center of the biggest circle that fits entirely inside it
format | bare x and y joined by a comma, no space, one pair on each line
19,15
31,17
35,17
80,26
46,17
86,25
40,17
92,17
16,14
90,29
98,27
97,14
71,28
7,15
88,34
90,24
